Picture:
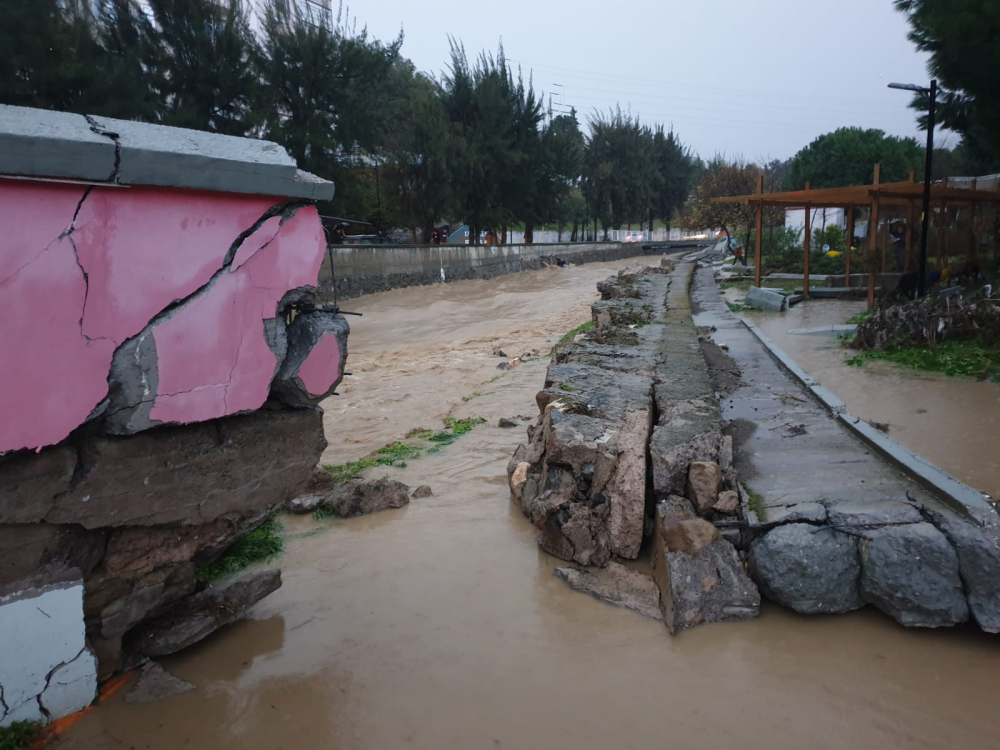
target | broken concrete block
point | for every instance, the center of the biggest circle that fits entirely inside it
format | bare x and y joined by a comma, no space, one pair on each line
44,143
809,569
912,574
616,584
422,491
202,614
704,482
304,504
359,497
710,586
157,684
314,365
764,299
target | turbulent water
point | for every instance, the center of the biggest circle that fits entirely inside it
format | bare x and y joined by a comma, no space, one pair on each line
441,626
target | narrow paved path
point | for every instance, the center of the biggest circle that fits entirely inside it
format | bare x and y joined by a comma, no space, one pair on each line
790,450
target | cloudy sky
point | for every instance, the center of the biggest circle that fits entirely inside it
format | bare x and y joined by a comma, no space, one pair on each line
761,79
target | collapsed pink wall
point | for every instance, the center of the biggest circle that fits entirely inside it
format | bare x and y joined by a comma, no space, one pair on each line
83,269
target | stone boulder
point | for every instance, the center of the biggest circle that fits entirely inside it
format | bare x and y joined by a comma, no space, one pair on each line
359,497
911,573
314,365
616,584
710,585
704,482
810,569
202,614
978,549
728,503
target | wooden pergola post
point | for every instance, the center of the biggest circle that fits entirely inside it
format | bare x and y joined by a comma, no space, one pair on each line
909,237
806,247
757,262
850,241
973,255
873,239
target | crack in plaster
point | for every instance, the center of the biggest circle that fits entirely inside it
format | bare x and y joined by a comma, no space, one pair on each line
286,210
97,129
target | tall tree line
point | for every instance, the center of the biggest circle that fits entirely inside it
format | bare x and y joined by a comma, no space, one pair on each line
405,148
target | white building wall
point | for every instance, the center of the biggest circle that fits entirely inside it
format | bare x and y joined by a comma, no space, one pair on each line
46,670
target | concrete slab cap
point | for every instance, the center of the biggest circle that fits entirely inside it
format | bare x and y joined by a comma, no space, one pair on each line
177,157
42,143
764,299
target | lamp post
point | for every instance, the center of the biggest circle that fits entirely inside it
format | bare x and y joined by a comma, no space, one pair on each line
932,96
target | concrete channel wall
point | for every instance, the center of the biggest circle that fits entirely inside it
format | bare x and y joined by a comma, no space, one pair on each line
366,269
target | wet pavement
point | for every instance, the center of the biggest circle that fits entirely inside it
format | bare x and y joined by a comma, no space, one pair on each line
441,625
788,448
952,422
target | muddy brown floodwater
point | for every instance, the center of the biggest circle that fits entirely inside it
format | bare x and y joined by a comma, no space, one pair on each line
952,422
441,625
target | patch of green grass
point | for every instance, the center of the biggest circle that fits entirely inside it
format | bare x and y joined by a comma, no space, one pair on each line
20,735
743,284
969,358
756,503
462,426
734,306
393,454
861,317
566,387
261,545
589,325
495,378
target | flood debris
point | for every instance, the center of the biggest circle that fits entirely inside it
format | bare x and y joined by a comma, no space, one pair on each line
616,584
422,491
157,684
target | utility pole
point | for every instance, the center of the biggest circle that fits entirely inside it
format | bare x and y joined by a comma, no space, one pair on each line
931,112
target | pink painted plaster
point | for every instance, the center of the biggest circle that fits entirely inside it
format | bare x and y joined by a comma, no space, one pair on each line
322,367
51,376
213,358
143,248
66,302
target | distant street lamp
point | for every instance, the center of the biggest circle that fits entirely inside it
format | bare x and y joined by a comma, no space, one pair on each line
932,95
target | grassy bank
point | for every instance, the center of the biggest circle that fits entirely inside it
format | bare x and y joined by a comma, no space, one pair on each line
969,358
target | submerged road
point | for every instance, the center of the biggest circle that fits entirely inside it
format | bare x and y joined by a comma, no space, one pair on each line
441,626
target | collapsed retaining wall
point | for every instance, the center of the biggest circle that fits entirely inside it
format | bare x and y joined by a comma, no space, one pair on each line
629,445
366,269
161,364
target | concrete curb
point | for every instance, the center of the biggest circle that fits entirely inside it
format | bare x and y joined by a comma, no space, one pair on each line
958,496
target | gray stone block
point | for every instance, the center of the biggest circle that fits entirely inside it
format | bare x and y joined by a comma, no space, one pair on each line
810,569
764,299
178,157
911,573
43,143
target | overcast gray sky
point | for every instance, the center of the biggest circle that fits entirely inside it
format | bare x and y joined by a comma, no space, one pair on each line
759,78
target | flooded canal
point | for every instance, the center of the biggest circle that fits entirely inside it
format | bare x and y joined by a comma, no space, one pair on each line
952,422
440,625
